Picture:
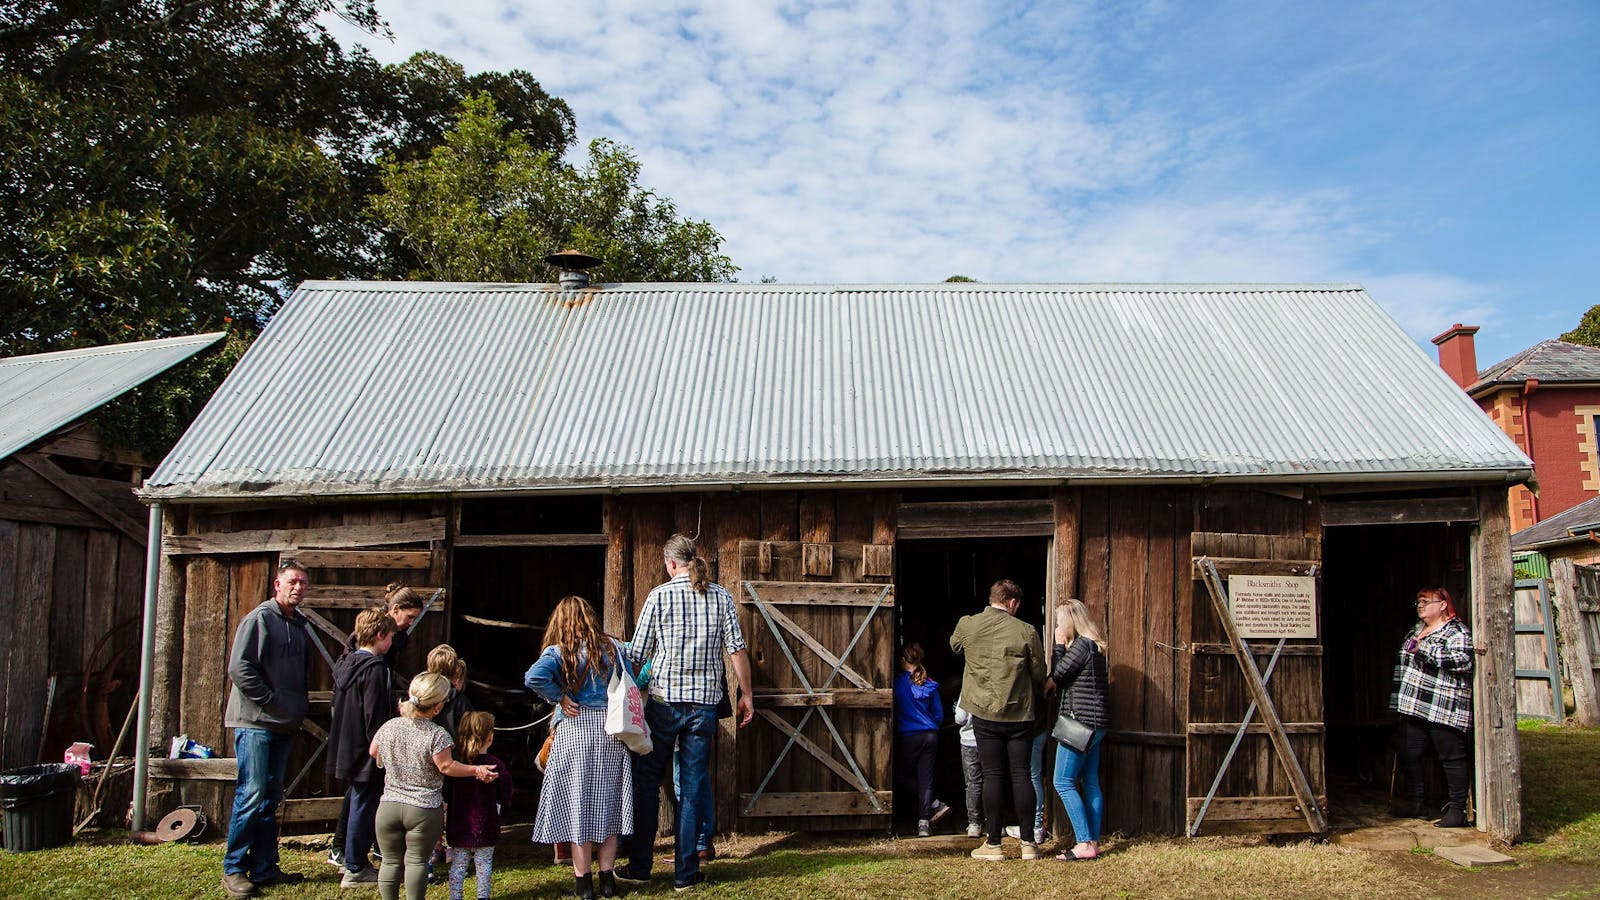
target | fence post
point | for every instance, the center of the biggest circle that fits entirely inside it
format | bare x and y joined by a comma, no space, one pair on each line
1574,641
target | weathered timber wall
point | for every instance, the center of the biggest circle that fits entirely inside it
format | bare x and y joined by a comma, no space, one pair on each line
73,584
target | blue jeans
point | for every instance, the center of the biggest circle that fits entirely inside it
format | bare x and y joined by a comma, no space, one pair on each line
690,727
1036,775
708,810
263,758
363,828
1079,771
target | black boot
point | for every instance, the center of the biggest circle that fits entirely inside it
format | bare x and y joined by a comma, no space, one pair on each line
608,883
1455,816
1409,808
583,886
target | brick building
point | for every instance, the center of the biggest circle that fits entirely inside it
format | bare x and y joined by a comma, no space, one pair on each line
1547,399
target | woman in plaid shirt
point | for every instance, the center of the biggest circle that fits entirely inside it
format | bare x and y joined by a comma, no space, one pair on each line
1433,695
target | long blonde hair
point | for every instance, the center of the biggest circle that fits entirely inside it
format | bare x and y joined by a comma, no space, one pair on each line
1075,616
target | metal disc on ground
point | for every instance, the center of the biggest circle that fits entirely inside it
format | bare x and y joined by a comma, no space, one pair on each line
181,824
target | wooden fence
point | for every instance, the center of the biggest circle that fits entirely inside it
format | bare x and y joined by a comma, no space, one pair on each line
1577,600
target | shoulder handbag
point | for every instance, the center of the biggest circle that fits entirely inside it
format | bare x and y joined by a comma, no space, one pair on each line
1069,730
625,709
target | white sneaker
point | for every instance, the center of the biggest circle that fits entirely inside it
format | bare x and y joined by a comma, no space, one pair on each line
361,877
1030,851
974,829
1014,831
922,828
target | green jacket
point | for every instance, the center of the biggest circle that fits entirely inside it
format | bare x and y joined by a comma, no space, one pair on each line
1005,661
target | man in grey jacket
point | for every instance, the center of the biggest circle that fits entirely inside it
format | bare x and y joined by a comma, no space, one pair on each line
267,666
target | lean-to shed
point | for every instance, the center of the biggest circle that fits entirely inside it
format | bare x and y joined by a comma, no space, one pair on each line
860,462
72,546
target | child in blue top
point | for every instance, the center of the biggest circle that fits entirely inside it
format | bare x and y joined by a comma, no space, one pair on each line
918,713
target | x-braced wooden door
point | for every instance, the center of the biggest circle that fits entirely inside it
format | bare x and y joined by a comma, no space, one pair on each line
1255,745
817,756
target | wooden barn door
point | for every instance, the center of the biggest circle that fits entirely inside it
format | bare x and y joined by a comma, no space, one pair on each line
1255,742
817,756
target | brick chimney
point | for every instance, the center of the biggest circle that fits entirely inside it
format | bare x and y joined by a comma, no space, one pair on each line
1457,354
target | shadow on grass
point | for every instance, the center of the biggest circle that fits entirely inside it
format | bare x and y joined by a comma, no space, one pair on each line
1560,781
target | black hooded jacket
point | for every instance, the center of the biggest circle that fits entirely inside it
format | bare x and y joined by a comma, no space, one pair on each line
361,702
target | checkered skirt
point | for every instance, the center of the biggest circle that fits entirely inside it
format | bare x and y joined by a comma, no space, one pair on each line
588,785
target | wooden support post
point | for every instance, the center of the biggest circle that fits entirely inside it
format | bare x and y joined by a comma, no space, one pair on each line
1574,642
1498,753
169,635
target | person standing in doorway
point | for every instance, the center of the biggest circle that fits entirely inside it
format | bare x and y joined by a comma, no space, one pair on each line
1433,695
918,715
1005,665
684,628
268,700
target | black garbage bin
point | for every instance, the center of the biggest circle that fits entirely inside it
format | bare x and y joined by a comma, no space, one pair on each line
36,805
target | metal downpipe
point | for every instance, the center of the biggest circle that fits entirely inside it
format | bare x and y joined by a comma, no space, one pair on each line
147,667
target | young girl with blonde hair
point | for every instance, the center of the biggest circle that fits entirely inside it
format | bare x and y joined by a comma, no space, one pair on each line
473,826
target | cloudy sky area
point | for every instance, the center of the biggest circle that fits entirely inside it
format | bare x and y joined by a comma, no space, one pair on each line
1443,154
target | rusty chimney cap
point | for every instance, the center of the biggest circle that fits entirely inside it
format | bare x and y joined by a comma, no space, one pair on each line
573,261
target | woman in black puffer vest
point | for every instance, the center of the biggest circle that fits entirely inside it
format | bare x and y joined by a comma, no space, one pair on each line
1079,674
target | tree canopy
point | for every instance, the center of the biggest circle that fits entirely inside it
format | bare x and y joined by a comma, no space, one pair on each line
176,166
487,205
1588,330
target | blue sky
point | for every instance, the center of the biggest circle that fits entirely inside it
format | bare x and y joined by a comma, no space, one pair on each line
1444,155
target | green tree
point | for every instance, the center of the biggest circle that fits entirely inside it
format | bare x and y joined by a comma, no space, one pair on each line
175,166
1588,330
488,204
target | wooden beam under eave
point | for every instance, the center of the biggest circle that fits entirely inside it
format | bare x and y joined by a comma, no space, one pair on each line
1497,750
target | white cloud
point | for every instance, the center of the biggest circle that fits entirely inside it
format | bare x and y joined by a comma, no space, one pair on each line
908,141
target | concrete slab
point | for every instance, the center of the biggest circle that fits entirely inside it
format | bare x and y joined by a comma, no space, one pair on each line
1472,856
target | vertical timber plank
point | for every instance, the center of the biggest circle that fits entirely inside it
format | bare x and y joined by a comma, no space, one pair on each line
28,639
168,674
1498,753
618,602
1574,644
206,644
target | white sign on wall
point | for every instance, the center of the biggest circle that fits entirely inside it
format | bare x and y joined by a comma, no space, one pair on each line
1273,606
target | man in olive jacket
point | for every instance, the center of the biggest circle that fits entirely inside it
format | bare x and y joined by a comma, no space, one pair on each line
267,666
1005,663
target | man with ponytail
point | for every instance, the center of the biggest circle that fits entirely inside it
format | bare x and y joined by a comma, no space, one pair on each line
684,629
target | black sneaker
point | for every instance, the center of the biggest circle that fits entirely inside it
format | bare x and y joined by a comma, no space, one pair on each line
690,882
624,873
336,858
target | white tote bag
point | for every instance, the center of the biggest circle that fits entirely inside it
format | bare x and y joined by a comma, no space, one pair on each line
625,709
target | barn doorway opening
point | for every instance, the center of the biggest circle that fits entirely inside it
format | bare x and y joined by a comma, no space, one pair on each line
1370,578
513,559
936,583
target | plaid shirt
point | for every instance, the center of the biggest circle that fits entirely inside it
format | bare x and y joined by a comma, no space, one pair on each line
1435,681
685,634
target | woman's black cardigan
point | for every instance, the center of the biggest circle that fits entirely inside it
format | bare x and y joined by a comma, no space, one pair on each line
1079,671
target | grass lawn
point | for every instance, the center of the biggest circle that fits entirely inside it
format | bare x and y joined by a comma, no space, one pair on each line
1559,858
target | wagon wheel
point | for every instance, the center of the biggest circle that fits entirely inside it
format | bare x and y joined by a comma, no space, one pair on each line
94,712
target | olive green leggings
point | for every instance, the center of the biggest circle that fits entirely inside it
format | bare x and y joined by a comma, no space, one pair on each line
406,835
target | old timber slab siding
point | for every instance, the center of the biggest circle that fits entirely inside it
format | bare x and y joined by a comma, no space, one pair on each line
528,386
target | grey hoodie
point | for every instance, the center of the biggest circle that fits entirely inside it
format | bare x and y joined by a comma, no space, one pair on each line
267,666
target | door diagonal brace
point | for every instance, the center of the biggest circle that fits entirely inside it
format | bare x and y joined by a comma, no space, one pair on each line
1258,693
767,615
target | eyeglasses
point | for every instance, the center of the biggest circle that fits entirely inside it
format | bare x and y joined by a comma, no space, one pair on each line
1422,603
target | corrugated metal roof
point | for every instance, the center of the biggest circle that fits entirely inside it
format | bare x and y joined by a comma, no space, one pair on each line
389,388
45,391
1550,362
